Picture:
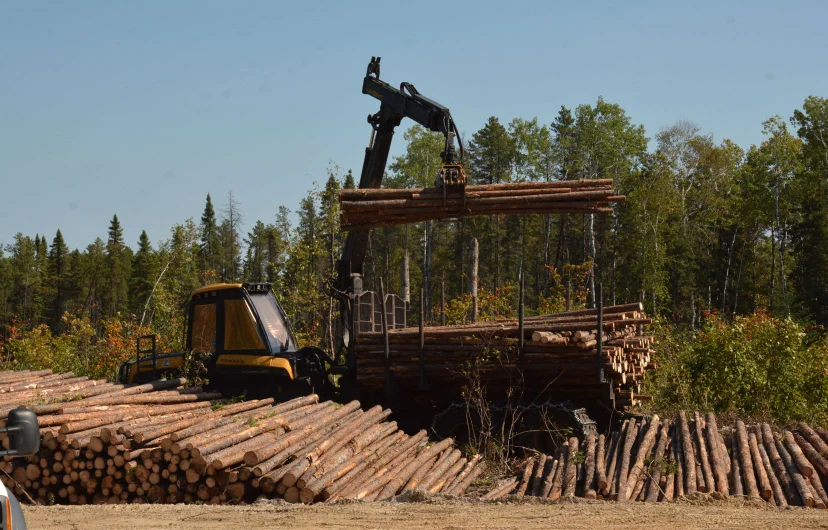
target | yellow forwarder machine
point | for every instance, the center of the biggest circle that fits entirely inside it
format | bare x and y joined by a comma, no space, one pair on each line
244,333
243,329
248,345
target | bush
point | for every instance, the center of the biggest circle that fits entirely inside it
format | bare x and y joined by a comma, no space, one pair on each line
81,348
759,365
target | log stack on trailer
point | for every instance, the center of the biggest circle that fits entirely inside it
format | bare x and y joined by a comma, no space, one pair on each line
164,443
560,355
371,208
654,460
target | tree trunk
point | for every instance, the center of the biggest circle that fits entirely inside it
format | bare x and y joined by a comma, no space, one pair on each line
591,236
547,234
727,271
689,455
405,279
739,279
773,269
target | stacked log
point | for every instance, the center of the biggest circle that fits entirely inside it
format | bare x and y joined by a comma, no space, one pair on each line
559,355
650,460
165,443
371,208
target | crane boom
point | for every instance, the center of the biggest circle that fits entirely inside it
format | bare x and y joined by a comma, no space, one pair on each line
395,104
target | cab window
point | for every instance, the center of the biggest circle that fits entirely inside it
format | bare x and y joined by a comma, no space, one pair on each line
204,328
274,323
240,332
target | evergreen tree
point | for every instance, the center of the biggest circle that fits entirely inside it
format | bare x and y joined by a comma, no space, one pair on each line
73,284
58,265
349,181
210,247
95,283
118,265
143,270
278,248
255,263
492,152
42,285
25,280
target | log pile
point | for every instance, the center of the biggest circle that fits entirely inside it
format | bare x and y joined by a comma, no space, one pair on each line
370,208
164,443
559,355
654,460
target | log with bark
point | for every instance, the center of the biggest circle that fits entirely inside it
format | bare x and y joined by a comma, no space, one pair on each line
165,443
559,356
371,208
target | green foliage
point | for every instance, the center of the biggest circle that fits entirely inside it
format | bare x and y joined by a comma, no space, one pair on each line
490,305
758,365
421,162
80,348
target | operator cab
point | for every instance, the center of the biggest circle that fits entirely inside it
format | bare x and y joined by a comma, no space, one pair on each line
242,336
253,321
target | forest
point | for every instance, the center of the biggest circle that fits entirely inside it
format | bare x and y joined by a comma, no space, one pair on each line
713,238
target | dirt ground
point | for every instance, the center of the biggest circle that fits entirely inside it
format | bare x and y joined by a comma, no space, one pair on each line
448,515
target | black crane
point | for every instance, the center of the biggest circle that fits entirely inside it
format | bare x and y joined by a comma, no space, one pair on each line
395,104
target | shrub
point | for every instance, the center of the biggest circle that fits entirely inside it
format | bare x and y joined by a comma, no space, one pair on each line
82,348
759,365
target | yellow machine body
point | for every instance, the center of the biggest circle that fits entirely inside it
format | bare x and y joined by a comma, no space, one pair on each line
244,336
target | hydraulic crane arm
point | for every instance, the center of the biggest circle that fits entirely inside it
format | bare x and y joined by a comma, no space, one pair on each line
407,102
395,104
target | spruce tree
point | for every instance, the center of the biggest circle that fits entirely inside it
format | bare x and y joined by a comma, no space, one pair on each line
348,184
210,247
255,263
25,280
143,269
118,265
492,152
57,267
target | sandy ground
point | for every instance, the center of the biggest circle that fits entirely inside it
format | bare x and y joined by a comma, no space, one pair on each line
449,515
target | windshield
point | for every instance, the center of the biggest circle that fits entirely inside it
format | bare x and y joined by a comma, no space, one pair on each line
272,319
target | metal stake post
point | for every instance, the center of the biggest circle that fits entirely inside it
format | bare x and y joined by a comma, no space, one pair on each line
423,385
384,320
443,303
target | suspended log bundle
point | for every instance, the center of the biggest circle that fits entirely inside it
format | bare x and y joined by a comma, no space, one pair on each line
654,460
164,443
371,208
559,358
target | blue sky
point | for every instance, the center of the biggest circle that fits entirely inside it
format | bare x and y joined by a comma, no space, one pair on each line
141,108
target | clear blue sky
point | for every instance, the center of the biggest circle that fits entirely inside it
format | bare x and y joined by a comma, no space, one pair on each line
141,108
